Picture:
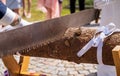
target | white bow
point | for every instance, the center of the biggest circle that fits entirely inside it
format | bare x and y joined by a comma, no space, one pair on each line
97,41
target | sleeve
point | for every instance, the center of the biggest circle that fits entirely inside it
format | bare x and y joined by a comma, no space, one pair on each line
3,9
6,15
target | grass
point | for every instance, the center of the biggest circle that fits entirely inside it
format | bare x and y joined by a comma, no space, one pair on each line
37,15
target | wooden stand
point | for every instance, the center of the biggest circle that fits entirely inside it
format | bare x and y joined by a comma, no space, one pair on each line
116,57
19,69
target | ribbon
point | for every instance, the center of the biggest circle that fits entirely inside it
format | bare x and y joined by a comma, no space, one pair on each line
97,41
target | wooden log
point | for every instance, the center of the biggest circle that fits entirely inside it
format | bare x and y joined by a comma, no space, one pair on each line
74,39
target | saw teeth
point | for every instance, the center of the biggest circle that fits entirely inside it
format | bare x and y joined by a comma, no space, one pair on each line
27,50
36,46
40,44
24,51
32,47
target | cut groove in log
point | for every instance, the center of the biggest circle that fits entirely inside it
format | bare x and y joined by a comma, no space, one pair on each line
74,39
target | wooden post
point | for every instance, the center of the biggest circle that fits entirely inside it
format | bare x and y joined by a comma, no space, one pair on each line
116,57
21,69
11,64
25,64
24,60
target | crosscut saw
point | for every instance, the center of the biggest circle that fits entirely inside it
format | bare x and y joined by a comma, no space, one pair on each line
42,33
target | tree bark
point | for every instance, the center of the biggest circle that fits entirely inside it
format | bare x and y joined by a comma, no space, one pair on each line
75,38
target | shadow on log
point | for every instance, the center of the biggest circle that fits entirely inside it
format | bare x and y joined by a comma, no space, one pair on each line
75,38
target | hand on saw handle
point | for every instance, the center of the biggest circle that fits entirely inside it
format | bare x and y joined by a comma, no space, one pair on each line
99,4
8,17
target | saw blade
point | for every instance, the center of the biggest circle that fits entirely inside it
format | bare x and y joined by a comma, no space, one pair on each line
41,33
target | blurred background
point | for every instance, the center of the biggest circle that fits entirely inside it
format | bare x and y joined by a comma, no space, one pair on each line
38,15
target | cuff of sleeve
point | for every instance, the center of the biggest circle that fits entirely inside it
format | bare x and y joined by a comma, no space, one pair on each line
8,18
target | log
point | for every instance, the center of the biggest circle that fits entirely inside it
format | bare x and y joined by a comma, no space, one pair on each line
75,38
